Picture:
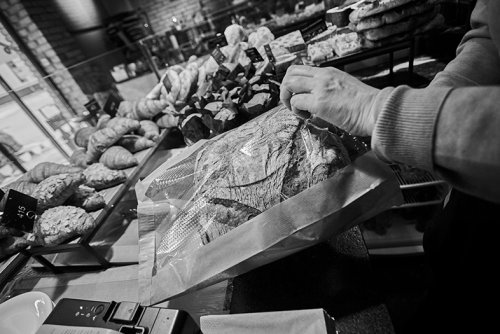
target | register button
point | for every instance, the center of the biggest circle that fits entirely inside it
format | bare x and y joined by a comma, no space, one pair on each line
125,312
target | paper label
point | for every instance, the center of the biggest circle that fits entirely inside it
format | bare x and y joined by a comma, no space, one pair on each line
269,53
254,55
19,211
58,329
218,56
219,40
93,107
313,30
112,104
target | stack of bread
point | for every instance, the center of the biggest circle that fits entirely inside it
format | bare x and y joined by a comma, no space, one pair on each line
382,21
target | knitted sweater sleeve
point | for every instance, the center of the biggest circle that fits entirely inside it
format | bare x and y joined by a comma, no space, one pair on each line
451,127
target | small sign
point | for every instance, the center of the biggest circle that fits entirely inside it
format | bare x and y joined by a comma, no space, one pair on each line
112,104
313,30
218,56
219,40
269,53
254,55
19,211
234,73
93,107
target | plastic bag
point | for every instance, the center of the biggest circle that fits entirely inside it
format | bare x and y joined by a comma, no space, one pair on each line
271,187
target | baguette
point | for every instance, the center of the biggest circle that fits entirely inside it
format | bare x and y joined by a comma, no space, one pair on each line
117,157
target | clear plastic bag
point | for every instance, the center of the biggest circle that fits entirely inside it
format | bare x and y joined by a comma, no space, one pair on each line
222,206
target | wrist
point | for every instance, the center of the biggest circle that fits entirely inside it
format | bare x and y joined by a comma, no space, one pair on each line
374,109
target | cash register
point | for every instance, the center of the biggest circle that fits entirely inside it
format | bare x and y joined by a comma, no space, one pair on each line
76,316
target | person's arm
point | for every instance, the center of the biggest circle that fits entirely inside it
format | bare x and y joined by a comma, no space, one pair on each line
454,132
477,61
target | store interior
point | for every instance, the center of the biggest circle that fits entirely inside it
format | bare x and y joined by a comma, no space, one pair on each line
64,64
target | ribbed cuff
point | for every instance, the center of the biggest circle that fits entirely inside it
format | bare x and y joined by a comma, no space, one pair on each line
405,127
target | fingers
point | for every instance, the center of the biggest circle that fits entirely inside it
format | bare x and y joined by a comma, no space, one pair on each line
295,84
302,70
300,104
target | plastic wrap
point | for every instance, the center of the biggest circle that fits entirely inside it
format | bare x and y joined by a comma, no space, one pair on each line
271,187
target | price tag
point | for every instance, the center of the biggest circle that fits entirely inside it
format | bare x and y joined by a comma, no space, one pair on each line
219,40
218,56
112,104
254,55
93,107
269,53
313,30
19,211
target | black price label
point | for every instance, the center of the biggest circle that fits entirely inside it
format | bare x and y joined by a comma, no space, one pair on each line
19,211
254,55
93,107
218,56
269,53
112,104
234,73
219,40
313,30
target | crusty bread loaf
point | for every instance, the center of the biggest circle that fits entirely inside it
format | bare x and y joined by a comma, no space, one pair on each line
247,171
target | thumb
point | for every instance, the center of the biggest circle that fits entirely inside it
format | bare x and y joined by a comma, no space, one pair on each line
301,104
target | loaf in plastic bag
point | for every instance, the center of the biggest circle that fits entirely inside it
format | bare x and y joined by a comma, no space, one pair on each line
207,213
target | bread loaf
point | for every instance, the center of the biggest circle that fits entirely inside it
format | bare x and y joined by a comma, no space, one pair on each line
247,171
58,224
55,190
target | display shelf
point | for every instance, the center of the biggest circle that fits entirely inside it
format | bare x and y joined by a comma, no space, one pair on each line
82,244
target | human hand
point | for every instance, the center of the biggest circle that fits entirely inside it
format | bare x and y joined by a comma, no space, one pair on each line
332,95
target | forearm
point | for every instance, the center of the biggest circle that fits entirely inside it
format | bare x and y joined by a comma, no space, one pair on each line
453,132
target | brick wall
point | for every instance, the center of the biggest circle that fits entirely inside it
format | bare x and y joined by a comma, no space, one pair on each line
91,77
28,31
41,28
160,12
